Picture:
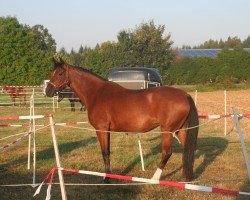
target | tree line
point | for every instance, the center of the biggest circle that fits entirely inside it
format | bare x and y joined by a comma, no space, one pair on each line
229,67
231,42
26,53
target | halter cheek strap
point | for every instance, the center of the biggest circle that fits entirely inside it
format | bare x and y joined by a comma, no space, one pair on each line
65,83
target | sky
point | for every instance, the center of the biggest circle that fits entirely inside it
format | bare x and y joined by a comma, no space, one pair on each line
87,22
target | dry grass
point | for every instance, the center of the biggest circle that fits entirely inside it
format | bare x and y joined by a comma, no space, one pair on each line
219,160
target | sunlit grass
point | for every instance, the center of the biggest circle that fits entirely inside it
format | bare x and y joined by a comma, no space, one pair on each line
219,160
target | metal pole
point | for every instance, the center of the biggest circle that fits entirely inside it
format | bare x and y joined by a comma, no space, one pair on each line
244,150
60,174
140,149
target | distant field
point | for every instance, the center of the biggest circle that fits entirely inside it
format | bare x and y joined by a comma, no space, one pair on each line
219,159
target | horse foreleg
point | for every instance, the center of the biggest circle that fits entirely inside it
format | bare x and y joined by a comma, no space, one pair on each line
24,100
20,101
167,139
104,140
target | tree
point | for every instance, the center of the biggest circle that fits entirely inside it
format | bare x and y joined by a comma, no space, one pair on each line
232,42
246,42
25,53
146,46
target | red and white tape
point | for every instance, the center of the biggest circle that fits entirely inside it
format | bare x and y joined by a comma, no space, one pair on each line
51,175
70,123
141,180
14,142
40,125
25,117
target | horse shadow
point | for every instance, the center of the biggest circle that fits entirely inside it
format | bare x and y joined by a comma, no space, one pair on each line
208,148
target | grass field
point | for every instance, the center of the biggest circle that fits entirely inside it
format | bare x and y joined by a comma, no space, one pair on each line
219,159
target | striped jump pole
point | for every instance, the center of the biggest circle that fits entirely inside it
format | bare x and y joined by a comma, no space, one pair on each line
25,117
222,116
159,182
141,180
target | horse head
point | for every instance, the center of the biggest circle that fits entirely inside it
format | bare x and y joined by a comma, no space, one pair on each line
59,78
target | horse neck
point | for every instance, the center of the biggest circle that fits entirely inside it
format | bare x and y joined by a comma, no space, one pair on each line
86,86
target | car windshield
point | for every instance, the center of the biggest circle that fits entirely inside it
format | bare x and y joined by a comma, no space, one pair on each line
128,75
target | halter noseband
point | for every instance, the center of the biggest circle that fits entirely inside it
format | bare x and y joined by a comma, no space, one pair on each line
66,81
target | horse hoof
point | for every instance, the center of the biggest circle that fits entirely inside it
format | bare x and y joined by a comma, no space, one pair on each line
105,180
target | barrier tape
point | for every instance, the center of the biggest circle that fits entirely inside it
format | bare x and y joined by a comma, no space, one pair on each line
14,142
141,180
71,123
75,123
50,174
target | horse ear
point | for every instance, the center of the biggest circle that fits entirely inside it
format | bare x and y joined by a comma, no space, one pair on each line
62,61
55,61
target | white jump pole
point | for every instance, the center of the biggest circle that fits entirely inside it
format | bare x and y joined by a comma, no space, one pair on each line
195,98
34,139
225,112
53,102
244,150
60,174
57,101
30,129
140,149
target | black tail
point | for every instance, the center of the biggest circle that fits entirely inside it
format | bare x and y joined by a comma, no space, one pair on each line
191,140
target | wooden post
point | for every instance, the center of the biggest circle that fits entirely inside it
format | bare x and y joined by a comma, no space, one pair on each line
60,174
244,150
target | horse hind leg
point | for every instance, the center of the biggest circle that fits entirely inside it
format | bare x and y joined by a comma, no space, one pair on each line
167,139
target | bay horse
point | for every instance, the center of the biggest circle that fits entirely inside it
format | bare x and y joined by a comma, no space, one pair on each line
16,92
114,108
72,97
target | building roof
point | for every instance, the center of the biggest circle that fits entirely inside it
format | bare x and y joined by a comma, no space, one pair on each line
201,52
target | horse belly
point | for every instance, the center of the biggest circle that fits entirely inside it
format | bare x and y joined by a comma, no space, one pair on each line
131,121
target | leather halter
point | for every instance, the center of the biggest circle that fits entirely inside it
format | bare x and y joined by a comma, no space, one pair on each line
65,83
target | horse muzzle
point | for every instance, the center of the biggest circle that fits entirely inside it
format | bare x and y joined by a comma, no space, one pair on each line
50,90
